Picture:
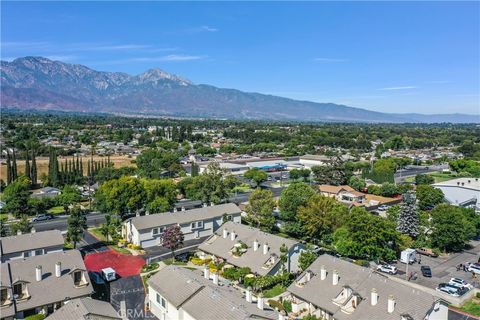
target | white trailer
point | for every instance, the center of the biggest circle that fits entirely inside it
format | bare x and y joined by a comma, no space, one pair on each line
109,274
408,256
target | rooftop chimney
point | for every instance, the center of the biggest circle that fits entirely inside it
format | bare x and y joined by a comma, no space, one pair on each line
391,304
323,273
211,204
215,278
248,295
265,248
335,277
308,275
38,273
183,208
19,232
256,245
58,269
33,230
205,205
225,233
374,297
175,209
232,235
260,301
206,273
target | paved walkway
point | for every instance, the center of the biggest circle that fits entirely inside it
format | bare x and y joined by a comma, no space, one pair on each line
124,265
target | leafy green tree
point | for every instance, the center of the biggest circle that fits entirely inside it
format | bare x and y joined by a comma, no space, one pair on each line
4,230
154,163
306,259
211,186
357,183
424,179
260,209
76,226
172,238
322,216
121,196
16,196
451,228
159,205
23,225
428,196
388,189
69,196
392,213
366,236
256,175
408,218
335,173
164,189
292,197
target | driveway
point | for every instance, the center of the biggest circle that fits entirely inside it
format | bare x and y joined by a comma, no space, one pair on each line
157,253
125,265
129,294
90,244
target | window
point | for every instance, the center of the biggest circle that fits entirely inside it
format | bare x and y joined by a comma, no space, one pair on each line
196,225
17,289
4,296
39,252
77,277
27,254
158,231
161,301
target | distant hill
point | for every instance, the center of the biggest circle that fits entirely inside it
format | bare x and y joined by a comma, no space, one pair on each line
40,83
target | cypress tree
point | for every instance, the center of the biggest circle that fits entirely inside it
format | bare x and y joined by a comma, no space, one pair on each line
9,168
78,167
89,169
14,166
408,219
33,173
27,166
81,168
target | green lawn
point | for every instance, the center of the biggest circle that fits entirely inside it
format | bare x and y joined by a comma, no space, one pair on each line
3,216
56,210
169,261
471,307
275,291
96,232
437,175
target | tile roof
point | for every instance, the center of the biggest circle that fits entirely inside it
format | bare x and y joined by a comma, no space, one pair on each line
221,247
361,280
201,298
31,241
166,218
85,309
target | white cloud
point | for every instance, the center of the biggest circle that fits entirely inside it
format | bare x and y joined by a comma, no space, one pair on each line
167,58
209,29
327,60
62,58
398,88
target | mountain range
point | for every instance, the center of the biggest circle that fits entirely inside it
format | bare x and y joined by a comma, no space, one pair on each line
43,84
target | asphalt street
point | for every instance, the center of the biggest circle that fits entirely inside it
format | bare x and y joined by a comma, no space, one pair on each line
401,174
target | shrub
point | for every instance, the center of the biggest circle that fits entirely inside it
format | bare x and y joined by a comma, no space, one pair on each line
277,305
287,305
137,247
37,316
478,295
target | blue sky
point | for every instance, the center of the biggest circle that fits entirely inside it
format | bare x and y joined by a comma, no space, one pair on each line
385,56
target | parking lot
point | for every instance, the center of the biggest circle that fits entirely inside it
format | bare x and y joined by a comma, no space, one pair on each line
443,268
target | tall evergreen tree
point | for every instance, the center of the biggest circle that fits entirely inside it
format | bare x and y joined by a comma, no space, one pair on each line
9,168
408,218
14,165
81,168
34,172
27,165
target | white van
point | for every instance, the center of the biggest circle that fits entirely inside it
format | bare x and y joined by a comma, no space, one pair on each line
475,268
109,274
408,256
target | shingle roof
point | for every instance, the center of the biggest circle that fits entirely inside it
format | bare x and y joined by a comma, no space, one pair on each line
31,241
85,308
200,297
166,218
50,289
337,189
221,247
362,280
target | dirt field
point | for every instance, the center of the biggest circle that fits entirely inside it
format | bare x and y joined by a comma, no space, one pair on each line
42,164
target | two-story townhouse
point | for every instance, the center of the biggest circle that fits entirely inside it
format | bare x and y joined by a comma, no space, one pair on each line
245,246
42,284
146,231
335,289
177,293
30,244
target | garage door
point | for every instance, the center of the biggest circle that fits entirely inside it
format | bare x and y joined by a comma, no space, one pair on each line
149,243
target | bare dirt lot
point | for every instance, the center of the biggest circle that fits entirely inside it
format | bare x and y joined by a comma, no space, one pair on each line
42,164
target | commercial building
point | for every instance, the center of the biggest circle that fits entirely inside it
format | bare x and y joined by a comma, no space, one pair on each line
463,192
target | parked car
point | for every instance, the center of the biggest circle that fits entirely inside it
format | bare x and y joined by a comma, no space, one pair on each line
459,283
383,207
109,274
42,217
96,277
387,268
427,252
452,291
426,271
474,267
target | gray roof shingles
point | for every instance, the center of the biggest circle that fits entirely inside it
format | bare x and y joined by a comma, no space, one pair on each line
167,218
31,241
362,280
255,260
85,308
